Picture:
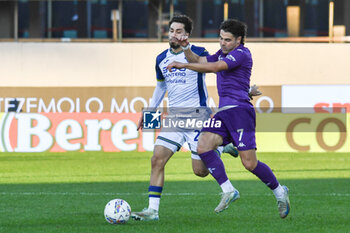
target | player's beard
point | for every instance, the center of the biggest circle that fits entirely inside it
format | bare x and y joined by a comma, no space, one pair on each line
173,45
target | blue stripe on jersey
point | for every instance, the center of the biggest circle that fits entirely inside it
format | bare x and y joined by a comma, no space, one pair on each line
200,51
159,59
201,92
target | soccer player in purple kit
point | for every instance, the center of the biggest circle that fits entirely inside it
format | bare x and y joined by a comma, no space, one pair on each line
232,64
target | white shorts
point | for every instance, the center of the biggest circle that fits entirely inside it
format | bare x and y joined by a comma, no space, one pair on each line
175,140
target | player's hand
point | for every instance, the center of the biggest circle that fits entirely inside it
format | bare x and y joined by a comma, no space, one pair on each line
254,91
140,123
175,64
182,40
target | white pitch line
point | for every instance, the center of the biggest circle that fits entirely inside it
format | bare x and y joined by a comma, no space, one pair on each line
163,194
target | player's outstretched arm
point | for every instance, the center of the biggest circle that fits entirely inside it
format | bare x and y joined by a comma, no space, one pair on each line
190,55
209,67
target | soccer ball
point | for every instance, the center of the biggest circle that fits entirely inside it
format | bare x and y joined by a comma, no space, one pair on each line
117,211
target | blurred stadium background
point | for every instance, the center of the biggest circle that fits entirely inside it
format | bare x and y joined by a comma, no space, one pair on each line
147,19
83,70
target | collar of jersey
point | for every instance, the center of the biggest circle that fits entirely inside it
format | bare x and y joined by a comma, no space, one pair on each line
171,51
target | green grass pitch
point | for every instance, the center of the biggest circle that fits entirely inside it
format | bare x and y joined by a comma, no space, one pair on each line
67,192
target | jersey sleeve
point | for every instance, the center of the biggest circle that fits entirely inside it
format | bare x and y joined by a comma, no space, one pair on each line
235,58
214,57
159,59
158,94
159,73
200,51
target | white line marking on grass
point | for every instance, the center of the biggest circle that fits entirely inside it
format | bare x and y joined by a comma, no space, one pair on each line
163,194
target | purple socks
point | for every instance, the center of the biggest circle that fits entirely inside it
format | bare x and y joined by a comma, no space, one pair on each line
217,170
215,166
264,173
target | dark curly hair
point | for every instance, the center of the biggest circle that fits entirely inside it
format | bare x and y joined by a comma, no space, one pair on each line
235,27
185,20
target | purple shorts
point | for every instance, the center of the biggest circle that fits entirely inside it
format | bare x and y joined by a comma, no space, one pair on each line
237,126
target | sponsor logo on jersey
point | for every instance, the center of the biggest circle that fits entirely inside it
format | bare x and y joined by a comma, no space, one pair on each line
183,81
175,74
165,70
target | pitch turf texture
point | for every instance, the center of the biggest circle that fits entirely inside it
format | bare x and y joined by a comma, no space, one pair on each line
67,192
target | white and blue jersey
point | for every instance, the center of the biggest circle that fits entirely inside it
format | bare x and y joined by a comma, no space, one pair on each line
186,91
186,88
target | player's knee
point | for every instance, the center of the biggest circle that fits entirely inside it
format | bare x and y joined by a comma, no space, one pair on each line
249,165
208,142
201,172
157,162
202,149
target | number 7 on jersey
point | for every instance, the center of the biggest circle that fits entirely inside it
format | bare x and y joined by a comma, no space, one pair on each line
240,131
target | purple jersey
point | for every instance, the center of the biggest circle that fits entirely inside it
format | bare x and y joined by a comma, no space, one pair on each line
233,84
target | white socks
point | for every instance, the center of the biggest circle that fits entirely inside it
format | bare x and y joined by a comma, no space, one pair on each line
227,187
153,203
279,191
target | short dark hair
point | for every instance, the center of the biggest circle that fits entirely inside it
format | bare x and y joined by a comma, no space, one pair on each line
235,27
185,20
